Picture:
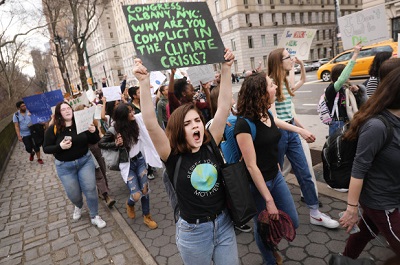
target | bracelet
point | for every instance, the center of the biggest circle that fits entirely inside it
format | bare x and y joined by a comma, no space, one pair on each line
352,205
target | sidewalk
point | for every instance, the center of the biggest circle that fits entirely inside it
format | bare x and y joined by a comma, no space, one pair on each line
36,225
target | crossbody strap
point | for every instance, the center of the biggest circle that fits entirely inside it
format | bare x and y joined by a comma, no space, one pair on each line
177,166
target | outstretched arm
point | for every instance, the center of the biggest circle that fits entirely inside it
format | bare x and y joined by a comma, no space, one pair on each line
157,135
224,99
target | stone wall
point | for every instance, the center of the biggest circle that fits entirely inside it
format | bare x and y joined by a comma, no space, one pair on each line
8,138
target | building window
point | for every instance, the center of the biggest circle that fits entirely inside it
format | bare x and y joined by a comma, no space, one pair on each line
265,61
323,17
284,18
250,41
235,64
309,17
293,17
263,41
111,35
330,34
247,17
301,18
252,63
259,2
109,25
273,17
317,34
323,35
115,54
317,17
230,23
282,2
233,44
271,2
217,8
261,19
246,2
228,4
275,36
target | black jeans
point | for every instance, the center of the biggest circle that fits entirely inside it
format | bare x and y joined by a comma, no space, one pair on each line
30,144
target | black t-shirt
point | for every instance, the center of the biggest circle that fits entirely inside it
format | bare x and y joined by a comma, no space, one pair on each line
199,187
330,95
79,146
265,145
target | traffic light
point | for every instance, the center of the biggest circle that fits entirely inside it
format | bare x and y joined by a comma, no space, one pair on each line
90,81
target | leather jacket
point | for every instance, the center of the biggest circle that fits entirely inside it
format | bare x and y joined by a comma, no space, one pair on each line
108,142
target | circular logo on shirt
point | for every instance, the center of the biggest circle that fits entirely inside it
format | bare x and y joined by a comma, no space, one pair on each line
204,177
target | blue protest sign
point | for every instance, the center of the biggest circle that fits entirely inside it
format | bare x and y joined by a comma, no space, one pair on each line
40,105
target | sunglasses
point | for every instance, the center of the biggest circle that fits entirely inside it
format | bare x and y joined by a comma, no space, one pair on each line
287,57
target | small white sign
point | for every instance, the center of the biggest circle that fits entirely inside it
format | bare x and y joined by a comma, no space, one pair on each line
83,118
97,113
201,73
112,93
297,41
367,26
81,100
156,79
91,96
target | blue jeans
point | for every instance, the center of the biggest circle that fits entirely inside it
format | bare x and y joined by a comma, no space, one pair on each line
137,180
283,201
290,145
78,176
334,126
198,244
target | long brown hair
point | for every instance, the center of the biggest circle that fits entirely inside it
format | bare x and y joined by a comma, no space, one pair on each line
253,97
175,130
277,73
129,130
386,96
59,121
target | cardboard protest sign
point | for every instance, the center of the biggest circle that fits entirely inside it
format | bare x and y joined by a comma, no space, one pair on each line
172,35
40,105
297,41
90,95
83,118
112,93
97,112
156,79
81,100
203,74
367,26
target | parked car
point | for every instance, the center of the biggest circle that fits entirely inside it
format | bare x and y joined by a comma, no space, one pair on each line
315,65
323,61
307,67
363,61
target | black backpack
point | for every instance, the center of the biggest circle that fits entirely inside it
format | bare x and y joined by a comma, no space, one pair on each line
338,156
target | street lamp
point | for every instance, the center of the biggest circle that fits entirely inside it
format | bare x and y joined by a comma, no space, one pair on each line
337,15
58,38
87,58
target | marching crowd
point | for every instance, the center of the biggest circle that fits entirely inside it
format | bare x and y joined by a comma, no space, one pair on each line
165,128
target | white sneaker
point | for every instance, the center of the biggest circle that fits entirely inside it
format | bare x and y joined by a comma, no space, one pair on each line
339,190
150,176
98,222
77,213
324,220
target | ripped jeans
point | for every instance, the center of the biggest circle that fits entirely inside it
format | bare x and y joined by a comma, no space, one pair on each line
137,181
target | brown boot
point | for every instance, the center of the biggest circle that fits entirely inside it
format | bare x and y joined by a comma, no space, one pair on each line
278,258
130,210
147,220
109,201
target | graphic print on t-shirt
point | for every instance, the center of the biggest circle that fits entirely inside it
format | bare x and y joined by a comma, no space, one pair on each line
203,177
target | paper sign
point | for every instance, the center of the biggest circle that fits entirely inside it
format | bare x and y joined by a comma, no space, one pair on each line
367,26
97,113
156,79
203,74
112,93
297,41
172,35
83,118
40,105
81,100
91,96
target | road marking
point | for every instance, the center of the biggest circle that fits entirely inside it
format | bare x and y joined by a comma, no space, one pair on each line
303,91
312,82
310,104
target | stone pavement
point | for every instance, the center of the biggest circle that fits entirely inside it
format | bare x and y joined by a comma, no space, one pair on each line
36,225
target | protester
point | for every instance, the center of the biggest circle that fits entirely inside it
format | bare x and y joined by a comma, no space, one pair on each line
204,231
339,76
375,182
128,136
162,107
74,163
268,186
279,65
372,82
22,121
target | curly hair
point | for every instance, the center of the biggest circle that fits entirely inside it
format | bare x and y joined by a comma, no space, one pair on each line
277,73
175,130
59,121
129,130
380,57
386,96
253,97
180,86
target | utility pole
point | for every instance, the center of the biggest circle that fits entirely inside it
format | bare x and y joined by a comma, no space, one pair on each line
87,59
337,15
68,89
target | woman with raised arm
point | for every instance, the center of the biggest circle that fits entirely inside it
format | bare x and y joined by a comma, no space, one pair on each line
204,231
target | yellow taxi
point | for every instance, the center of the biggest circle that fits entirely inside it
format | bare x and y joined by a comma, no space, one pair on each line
363,62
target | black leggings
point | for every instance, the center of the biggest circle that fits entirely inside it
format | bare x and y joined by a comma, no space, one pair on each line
30,144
